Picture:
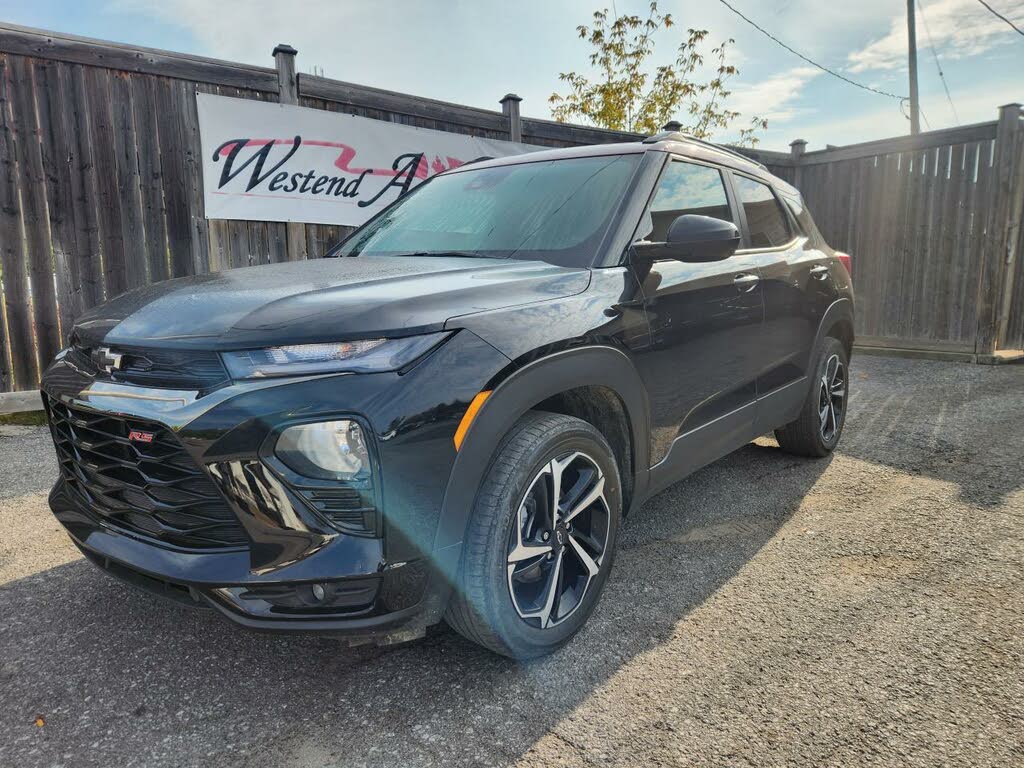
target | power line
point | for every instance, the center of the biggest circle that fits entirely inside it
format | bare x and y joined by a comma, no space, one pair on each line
927,125
994,12
768,34
924,117
935,55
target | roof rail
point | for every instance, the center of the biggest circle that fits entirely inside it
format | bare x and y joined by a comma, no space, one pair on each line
685,137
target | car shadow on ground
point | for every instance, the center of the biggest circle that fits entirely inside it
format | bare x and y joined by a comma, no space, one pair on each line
116,672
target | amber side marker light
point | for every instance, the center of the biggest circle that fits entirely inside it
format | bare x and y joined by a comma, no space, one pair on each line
467,419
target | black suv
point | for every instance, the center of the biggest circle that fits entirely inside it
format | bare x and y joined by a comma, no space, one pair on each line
449,418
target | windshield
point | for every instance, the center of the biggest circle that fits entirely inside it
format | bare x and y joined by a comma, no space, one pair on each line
555,211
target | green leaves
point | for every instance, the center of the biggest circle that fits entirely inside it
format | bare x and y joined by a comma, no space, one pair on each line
627,95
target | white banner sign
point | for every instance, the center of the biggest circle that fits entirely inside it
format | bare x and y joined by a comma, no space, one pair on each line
272,162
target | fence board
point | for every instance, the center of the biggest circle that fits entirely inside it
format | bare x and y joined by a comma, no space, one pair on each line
949,216
278,243
5,346
54,147
979,244
147,123
82,171
238,244
176,202
129,192
34,216
13,270
927,311
1013,336
101,117
187,118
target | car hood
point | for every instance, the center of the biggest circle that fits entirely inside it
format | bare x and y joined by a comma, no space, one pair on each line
322,300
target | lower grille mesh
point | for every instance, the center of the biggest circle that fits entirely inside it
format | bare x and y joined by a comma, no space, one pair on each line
153,488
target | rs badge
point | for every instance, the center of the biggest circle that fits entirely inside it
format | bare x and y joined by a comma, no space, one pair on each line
140,437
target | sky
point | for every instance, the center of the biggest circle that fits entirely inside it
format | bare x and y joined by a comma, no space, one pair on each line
475,51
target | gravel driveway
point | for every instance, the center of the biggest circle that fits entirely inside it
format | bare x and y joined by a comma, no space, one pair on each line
862,609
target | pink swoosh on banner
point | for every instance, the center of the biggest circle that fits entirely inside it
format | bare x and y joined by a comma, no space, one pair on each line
348,154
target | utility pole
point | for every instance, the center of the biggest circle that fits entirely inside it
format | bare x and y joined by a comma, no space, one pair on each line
915,110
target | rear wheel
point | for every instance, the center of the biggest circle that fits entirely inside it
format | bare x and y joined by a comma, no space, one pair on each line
817,430
541,540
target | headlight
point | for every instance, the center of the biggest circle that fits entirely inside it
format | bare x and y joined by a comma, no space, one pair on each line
370,356
328,450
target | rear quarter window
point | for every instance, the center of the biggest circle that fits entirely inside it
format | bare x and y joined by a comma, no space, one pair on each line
766,220
803,218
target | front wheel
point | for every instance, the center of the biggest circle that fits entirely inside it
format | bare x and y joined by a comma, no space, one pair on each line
541,539
816,431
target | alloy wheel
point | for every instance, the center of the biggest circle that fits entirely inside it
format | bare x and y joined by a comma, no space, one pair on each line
832,398
558,539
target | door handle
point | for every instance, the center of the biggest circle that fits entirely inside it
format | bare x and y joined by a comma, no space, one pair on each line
746,282
819,272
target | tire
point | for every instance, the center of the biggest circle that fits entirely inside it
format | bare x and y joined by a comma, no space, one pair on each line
812,433
504,581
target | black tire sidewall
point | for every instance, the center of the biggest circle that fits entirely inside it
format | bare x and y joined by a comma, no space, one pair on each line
831,346
522,638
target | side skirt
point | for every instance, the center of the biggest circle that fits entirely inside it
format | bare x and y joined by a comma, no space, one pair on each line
780,406
703,445
729,432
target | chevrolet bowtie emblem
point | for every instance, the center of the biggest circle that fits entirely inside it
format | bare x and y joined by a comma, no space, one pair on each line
106,360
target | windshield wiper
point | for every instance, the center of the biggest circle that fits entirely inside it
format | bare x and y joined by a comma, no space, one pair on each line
466,254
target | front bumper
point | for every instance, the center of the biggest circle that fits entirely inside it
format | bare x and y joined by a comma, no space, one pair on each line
385,586
365,595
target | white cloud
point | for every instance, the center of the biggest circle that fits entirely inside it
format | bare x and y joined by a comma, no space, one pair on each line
975,105
774,97
959,28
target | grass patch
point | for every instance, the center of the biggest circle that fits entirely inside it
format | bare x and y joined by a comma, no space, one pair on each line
26,419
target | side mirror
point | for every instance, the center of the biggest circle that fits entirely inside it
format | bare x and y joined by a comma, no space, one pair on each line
694,238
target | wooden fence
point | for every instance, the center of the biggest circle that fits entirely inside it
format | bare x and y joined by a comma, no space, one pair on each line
101,192
934,225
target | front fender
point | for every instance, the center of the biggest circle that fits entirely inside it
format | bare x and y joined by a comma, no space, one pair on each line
586,366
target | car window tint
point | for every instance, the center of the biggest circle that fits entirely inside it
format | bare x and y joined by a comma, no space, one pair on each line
803,219
686,188
765,218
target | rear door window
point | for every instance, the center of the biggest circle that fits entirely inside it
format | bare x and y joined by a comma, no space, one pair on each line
766,220
685,188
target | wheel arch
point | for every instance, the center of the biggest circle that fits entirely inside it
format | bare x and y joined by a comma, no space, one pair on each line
557,381
837,322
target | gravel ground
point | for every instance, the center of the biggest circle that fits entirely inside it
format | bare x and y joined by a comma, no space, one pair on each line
865,609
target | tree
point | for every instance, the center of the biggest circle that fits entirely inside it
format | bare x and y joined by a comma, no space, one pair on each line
629,97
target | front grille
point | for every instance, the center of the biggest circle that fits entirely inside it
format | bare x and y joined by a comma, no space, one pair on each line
163,368
150,488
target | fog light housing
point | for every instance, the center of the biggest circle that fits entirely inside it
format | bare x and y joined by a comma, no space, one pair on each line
326,450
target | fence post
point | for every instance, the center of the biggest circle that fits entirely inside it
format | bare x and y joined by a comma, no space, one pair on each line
1012,232
996,256
510,107
797,148
288,93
